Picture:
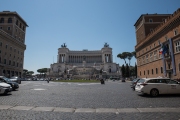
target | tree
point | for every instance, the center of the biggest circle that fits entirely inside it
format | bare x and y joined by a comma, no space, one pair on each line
24,72
30,72
129,56
134,54
122,56
135,70
127,70
123,70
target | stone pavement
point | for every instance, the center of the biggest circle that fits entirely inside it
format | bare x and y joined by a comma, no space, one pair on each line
38,100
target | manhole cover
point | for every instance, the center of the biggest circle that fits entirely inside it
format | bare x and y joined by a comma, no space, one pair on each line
38,89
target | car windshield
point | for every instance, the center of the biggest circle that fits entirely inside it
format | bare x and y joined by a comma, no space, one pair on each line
7,79
141,81
14,77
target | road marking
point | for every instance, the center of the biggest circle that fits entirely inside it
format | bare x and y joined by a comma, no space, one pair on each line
38,89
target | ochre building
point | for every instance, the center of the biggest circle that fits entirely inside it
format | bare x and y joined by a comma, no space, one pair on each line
12,43
156,33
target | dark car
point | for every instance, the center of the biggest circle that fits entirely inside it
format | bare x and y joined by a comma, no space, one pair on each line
15,79
134,82
14,85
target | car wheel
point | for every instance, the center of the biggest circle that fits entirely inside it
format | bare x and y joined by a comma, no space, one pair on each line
154,92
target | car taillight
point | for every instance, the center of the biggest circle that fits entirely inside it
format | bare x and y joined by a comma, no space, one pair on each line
144,84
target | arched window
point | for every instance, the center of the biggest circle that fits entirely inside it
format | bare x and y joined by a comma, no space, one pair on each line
9,20
2,20
20,25
17,22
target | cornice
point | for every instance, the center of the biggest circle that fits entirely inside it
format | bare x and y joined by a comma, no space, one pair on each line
173,19
12,39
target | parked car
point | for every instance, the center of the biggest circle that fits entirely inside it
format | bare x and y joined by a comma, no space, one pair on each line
156,86
15,79
14,85
5,88
134,82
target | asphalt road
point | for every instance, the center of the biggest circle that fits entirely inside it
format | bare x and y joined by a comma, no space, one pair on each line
112,101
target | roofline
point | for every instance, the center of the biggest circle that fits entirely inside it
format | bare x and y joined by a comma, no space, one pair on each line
15,13
150,15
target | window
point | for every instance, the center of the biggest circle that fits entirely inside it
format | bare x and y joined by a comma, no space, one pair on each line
0,59
2,20
151,58
154,44
177,46
148,72
9,62
166,38
4,61
1,28
161,69
6,46
179,66
17,22
155,55
11,48
0,43
150,47
175,32
152,71
9,28
147,58
164,20
143,60
20,25
144,72
140,73
23,28
17,65
13,63
156,70
9,20
15,50
150,20
139,61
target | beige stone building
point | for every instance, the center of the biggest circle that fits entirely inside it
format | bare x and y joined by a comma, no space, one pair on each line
85,63
12,43
154,33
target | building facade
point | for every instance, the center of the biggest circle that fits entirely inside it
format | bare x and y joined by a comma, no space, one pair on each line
158,45
85,63
12,43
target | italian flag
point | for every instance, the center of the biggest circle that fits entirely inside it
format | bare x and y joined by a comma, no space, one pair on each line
161,51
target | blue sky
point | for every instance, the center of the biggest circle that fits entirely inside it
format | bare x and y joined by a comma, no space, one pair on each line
81,24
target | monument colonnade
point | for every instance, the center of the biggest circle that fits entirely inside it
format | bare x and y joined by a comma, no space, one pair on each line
88,58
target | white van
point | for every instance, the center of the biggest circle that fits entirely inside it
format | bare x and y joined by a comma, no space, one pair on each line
5,88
